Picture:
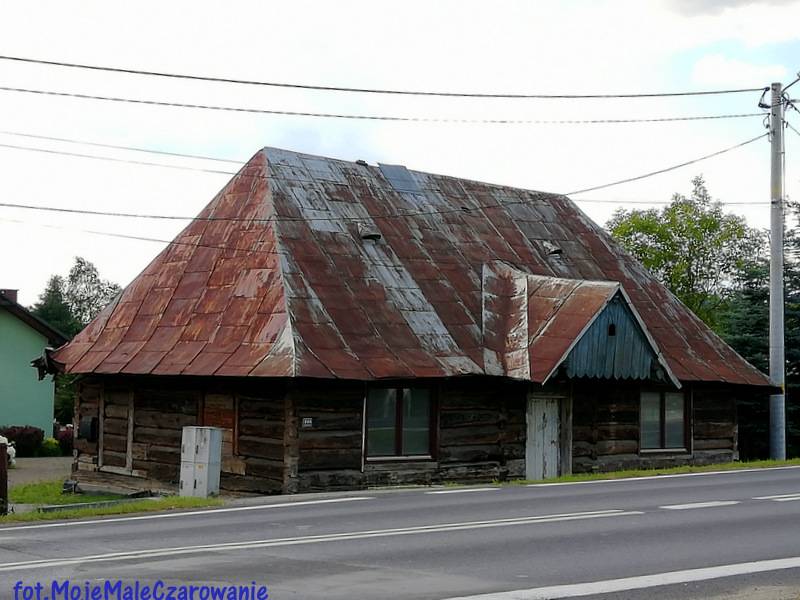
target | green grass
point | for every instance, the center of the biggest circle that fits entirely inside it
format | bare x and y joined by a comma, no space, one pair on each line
161,504
733,466
49,492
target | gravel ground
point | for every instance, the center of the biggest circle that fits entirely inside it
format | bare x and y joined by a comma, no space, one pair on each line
30,470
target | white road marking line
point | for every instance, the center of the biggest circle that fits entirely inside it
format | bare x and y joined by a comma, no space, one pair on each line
640,582
194,513
779,496
790,499
713,504
464,491
651,477
313,539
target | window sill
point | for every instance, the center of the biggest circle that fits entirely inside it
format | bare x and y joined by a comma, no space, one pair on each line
665,451
415,458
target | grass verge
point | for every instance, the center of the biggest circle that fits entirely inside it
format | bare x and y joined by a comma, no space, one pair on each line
732,466
160,504
49,492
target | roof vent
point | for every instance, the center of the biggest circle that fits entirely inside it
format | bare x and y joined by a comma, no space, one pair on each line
362,162
552,249
368,232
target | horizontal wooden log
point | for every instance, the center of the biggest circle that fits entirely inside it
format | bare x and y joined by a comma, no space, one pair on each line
184,402
714,444
333,421
260,447
486,471
268,469
161,437
115,411
157,470
580,449
713,430
233,464
460,436
335,402
115,443
261,427
470,454
312,460
470,418
616,447
261,408
139,451
164,454
331,480
318,440
115,426
162,419
515,469
256,485
113,459
116,397
617,432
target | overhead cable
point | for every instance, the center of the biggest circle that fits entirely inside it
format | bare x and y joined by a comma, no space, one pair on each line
393,118
362,90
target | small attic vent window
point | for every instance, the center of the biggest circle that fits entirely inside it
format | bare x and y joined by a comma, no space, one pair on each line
552,249
367,232
612,330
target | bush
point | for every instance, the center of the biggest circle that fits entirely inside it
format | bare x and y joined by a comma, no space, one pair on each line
27,438
50,447
65,438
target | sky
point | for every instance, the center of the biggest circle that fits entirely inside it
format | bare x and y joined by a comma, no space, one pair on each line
559,47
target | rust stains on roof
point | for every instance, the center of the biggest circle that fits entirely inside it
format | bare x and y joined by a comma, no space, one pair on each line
276,279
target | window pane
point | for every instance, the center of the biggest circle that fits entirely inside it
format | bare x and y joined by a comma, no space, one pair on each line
381,419
651,420
673,420
416,421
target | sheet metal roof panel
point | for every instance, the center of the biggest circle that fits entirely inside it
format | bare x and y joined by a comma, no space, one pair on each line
415,295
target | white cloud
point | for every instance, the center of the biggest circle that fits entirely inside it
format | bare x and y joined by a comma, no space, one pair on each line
574,47
719,70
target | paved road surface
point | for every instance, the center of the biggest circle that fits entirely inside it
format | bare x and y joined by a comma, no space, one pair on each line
714,535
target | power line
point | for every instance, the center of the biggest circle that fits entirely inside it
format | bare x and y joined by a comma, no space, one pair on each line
359,90
118,160
465,210
394,118
118,147
672,168
104,213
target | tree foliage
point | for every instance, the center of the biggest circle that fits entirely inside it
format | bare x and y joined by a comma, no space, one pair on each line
717,266
86,293
692,246
52,308
68,305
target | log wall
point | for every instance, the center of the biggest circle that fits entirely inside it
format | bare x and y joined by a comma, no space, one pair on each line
481,436
606,429
142,422
308,435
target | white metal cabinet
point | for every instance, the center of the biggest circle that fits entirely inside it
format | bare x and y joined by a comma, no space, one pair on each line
201,455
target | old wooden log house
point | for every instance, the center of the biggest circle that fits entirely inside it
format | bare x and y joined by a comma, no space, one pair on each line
350,325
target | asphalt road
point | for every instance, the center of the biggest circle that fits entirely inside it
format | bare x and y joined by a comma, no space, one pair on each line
705,536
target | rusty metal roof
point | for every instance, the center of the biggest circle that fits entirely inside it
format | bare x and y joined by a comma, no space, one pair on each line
312,267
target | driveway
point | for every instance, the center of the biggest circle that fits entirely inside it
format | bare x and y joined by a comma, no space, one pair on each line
30,470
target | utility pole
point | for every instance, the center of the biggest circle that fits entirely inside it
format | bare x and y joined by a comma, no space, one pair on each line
777,402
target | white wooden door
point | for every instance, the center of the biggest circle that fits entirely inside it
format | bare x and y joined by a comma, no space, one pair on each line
542,456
